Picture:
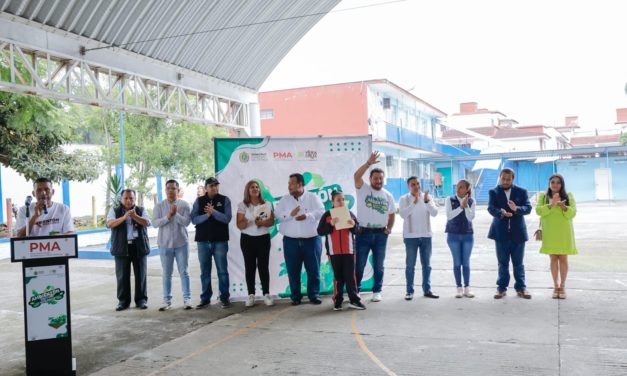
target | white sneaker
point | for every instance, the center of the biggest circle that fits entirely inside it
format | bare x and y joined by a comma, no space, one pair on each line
468,293
251,300
165,307
460,292
267,299
376,297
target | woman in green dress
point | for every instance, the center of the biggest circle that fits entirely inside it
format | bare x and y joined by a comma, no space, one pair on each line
557,209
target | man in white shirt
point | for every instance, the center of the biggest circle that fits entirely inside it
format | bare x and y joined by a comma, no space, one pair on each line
44,217
299,212
416,209
375,212
172,216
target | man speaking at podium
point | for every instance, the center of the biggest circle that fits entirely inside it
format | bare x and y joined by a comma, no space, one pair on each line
43,217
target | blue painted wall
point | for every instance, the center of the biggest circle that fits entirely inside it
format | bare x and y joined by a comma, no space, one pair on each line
456,150
532,176
396,186
579,176
407,137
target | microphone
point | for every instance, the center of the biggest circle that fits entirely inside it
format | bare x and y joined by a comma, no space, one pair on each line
29,200
45,208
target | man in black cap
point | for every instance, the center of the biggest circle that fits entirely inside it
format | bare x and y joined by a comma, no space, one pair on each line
211,215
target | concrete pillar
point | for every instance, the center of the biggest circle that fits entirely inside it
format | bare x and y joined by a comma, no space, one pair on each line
254,119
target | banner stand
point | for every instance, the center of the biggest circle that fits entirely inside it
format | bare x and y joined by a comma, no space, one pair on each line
327,163
46,288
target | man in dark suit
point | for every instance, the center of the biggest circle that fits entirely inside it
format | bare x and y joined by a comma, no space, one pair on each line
507,205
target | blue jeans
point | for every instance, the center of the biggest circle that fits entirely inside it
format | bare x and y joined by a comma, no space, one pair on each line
218,250
516,251
181,255
297,252
411,248
461,248
375,241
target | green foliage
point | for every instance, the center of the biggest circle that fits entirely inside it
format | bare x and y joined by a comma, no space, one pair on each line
32,134
115,188
153,146
194,153
623,139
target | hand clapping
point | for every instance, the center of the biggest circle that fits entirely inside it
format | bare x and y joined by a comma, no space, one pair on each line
209,209
512,205
464,203
172,211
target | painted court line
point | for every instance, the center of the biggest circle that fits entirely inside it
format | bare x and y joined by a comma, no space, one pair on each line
365,349
210,346
621,283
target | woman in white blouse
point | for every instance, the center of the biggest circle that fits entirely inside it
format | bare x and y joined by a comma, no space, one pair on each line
254,219
460,211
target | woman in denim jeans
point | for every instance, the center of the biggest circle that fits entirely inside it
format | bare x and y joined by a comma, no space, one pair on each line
460,211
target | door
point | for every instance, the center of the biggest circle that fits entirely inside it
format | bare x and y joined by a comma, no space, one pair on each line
603,183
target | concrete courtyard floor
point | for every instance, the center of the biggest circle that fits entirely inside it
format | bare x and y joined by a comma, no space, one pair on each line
586,334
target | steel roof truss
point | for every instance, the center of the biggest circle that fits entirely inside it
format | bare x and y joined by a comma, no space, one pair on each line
83,82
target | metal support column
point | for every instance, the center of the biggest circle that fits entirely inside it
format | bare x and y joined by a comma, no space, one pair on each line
66,192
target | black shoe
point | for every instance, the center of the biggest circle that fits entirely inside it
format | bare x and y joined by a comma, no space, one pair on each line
431,295
121,307
295,302
225,303
142,306
357,305
315,301
337,306
202,305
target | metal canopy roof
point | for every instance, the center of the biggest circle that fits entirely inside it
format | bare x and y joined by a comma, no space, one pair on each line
225,48
241,55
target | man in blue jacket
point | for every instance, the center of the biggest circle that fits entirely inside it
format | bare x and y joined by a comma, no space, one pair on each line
507,205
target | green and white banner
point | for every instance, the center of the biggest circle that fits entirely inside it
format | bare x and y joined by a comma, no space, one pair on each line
327,163
46,302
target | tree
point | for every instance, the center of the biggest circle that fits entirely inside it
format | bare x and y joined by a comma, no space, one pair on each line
623,139
153,146
33,132
170,149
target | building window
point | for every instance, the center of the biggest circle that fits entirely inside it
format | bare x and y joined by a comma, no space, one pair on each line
267,114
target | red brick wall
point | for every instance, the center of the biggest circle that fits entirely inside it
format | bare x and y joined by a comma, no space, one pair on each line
321,110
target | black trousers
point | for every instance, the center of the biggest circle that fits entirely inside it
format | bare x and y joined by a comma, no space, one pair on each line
256,250
123,275
344,275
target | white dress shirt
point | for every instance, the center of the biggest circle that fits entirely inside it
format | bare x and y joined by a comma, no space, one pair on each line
452,213
310,205
417,216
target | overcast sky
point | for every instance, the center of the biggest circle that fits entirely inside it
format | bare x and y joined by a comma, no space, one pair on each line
537,61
